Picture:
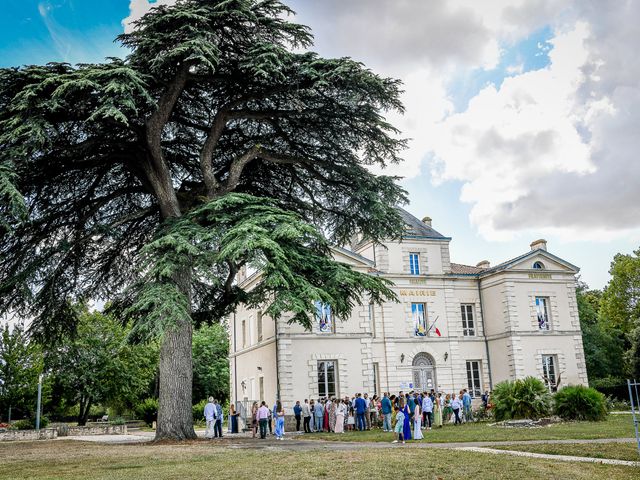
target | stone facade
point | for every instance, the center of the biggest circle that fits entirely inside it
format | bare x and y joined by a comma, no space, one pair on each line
376,349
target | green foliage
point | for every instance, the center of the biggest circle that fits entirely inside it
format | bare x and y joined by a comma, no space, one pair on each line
522,398
147,410
577,402
21,363
118,421
29,423
198,410
603,344
124,166
621,298
243,230
98,366
12,206
211,362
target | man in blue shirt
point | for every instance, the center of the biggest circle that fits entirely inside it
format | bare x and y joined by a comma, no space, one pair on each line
386,412
319,414
297,412
361,409
217,428
466,406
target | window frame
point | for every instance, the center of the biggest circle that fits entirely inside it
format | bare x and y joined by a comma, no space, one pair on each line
244,333
320,306
414,263
323,373
552,386
467,309
425,318
259,326
471,386
545,303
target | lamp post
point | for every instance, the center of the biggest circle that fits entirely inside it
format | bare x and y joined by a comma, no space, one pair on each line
39,403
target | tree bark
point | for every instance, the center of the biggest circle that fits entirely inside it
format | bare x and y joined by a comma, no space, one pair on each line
175,418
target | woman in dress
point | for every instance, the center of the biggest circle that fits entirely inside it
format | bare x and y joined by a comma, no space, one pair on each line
332,415
417,422
437,411
325,419
406,429
339,408
254,419
447,411
233,419
279,420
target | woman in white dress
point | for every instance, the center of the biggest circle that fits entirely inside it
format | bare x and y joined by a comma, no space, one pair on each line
417,423
340,412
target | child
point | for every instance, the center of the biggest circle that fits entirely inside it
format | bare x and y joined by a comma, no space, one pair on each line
351,421
399,425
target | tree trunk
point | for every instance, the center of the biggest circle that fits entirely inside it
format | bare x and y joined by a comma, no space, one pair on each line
175,420
84,412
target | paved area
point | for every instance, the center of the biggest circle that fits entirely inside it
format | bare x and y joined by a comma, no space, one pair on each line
562,458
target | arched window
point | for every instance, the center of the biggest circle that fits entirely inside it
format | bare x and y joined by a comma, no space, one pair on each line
538,265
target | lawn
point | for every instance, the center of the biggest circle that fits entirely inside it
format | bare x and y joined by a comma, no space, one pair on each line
616,426
617,451
64,459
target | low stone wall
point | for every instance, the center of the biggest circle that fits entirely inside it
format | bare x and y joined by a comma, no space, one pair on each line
66,431
24,435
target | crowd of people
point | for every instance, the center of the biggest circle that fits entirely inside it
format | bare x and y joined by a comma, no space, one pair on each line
405,414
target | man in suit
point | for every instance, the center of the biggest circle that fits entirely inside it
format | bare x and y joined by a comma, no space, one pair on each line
361,410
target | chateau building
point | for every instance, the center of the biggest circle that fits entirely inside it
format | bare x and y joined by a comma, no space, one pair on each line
456,326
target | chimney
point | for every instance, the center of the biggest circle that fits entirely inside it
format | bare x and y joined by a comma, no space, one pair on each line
483,264
427,221
539,244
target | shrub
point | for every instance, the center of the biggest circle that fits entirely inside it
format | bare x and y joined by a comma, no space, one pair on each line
22,425
524,398
118,421
29,423
577,402
198,411
147,410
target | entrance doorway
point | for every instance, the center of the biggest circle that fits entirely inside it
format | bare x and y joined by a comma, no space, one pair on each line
424,372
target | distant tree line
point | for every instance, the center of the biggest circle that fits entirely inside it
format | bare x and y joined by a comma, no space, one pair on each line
610,321
98,370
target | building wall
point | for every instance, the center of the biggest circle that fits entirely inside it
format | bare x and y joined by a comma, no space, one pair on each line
507,341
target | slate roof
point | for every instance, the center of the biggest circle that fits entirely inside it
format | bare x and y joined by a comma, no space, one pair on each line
459,269
417,228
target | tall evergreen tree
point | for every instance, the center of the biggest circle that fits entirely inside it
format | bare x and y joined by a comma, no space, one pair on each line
217,143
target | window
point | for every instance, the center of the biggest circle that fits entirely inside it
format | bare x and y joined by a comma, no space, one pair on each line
376,380
473,378
549,374
327,378
419,313
468,328
538,265
244,333
414,263
542,312
259,322
324,317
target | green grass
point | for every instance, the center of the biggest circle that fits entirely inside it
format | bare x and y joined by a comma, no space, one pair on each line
65,460
615,426
616,451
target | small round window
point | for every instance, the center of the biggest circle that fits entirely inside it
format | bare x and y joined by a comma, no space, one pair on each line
538,265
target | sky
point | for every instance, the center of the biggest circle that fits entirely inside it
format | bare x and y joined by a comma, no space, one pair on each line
522,115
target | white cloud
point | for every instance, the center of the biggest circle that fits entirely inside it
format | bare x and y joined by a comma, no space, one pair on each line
552,150
555,150
137,8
